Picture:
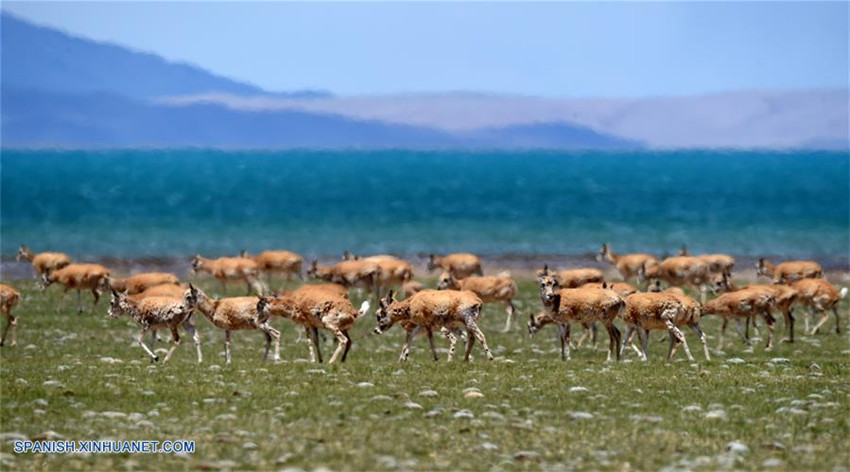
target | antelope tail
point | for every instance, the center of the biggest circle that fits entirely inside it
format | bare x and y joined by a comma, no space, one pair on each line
843,292
364,308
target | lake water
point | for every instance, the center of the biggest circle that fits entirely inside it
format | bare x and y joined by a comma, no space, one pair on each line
134,203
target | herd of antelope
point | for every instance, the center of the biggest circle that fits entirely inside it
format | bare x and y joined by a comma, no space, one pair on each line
158,301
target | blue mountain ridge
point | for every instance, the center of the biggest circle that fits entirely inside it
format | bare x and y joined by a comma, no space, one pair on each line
57,90
47,59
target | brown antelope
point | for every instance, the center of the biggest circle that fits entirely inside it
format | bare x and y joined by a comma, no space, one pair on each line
573,278
490,289
329,288
720,264
579,305
789,271
680,271
317,309
43,262
542,319
153,313
233,314
821,296
434,310
655,287
225,269
395,272
657,311
620,288
278,262
140,282
784,299
411,288
361,274
627,264
78,277
693,315
9,298
460,265
750,302
171,291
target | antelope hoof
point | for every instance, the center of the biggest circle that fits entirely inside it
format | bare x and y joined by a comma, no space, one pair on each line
155,359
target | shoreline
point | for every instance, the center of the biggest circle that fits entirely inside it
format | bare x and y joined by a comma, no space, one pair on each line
521,265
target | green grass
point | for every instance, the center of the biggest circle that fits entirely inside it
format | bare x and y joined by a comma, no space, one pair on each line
358,416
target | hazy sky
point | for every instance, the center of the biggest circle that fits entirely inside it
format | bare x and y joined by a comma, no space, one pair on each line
554,49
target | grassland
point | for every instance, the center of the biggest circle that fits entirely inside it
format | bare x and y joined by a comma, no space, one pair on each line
82,377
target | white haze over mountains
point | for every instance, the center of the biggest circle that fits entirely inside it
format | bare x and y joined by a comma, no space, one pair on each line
744,119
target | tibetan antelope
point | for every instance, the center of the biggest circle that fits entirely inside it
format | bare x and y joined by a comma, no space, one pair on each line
434,310
658,311
579,305
655,287
153,313
78,277
9,298
277,262
573,278
166,290
720,264
784,299
329,288
395,272
460,265
627,264
43,262
225,269
233,314
750,302
359,273
411,288
821,296
315,310
620,288
140,282
789,271
490,289
680,271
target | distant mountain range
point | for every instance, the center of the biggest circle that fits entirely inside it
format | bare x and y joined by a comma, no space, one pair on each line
52,61
58,90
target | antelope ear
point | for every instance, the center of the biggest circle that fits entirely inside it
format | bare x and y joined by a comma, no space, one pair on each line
390,295
114,293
